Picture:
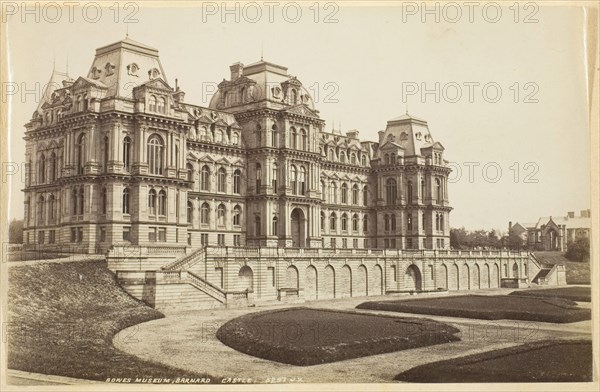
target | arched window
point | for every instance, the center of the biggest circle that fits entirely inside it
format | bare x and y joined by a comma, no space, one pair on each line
221,179
274,226
274,176
365,223
354,222
438,191
190,212
258,169
203,133
392,159
332,192
353,158
323,190
386,221
342,157
221,215
84,103
80,153
274,136
106,153
294,179
81,201
219,136
294,97
423,221
42,176
152,103
205,181
74,202
332,221
235,139
302,180
441,222
293,138
237,181
390,191
51,206
354,194
152,202
363,160
393,222
204,210
237,213
104,200
365,195
387,159
331,154
322,221
53,167
162,105
127,153
409,225
257,134
41,210
344,193
344,222
155,154
162,202
423,191
304,139
190,170
409,192
126,200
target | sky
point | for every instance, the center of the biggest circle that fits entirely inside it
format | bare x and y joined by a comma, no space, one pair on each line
510,109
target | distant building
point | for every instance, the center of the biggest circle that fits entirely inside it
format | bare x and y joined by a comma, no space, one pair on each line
553,233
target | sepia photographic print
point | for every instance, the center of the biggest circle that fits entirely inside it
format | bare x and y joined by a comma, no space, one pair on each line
290,195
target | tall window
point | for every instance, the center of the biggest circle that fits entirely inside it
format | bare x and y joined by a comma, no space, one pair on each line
81,201
204,210
344,193
274,176
127,153
442,222
409,192
74,202
304,139
190,212
422,191
302,180
363,160
294,97
104,200
332,221
274,136
204,183
409,225
386,221
390,191
323,190
219,136
294,179
51,207
221,179
190,170
257,135
342,157
258,177
221,215
152,202
293,138
332,192
155,154
162,202
274,226
438,190
393,222
41,210
353,158
257,231
53,167
423,221
237,182
237,214
80,153
322,221
365,195
126,200
161,106
152,103
365,223
354,222
344,222
354,194
42,176
106,151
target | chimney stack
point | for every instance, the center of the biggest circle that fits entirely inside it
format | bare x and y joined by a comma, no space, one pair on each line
571,214
236,70
509,226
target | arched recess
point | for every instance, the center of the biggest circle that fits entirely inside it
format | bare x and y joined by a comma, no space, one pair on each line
412,278
361,285
328,282
246,278
345,282
311,290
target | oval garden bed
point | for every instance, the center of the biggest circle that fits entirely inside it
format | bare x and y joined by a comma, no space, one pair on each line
302,336
574,293
489,307
544,361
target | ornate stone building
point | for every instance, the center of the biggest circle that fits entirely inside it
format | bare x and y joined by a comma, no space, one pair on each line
118,157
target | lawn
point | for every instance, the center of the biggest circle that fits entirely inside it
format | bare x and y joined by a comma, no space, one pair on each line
302,336
573,293
489,307
543,361
63,317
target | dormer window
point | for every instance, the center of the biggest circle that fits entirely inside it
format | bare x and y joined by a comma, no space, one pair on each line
109,68
294,97
152,103
153,73
161,105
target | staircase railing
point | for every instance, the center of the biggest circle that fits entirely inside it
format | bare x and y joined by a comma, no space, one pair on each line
205,286
185,261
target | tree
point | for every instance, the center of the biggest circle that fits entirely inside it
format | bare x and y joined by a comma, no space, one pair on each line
515,242
15,231
578,250
458,238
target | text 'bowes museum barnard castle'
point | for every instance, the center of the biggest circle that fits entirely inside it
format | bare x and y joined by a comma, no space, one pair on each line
249,199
